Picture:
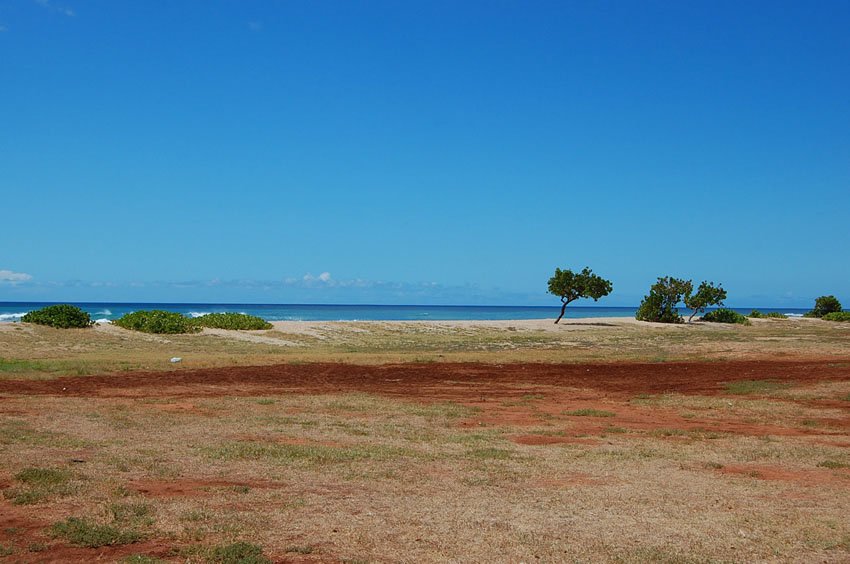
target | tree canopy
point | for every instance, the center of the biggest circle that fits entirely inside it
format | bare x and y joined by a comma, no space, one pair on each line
825,305
570,286
706,295
664,296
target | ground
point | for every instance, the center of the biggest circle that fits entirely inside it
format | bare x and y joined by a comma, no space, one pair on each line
373,443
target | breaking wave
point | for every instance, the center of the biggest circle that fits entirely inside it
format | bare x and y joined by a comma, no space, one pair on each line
12,316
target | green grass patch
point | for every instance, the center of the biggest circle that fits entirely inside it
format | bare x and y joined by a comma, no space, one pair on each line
38,484
833,464
750,387
491,453
142,559
82,532
843,316
590,412
237,553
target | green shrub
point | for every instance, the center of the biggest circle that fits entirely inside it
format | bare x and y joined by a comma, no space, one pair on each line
660,304
724,315
756,314
837,316
157,321
825,305
62,316
238,321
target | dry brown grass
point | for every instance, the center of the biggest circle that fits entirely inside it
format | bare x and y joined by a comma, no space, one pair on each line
519,475
28,351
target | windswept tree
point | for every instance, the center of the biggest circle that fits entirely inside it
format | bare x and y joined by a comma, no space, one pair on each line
570,286
706,295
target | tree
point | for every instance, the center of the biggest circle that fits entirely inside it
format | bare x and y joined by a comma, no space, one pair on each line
664,295
707,295
824,305
570,286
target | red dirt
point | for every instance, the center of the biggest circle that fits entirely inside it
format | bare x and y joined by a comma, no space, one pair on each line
191,488
435,381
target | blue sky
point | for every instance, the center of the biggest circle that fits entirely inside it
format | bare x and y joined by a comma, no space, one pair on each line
422,152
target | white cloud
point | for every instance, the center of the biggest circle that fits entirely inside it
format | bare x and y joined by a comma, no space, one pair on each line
14,277
54,8
325,276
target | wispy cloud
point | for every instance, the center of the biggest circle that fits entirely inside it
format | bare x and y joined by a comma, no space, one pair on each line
11,277
49,5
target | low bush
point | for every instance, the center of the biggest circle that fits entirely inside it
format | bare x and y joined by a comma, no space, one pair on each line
724,315
62,316
157,321
837,316
825,305
237,321
756,314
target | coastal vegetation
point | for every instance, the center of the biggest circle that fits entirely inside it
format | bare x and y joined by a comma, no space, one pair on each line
661,305
724,315
837,316
756,314
61,316
706,295
825,305
233,321
157,321
570,286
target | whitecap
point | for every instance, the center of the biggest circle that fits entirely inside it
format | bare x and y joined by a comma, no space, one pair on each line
104,312
198,313
102,320
794,314
12,316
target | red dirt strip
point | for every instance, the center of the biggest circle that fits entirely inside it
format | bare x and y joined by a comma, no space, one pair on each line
435,381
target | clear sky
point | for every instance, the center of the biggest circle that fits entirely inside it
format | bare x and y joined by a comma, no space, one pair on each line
422,152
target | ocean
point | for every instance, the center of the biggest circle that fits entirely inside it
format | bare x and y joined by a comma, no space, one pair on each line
13,311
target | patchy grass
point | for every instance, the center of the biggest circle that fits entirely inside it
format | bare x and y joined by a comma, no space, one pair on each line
833,464
237,553
308,454
82,532
751,387
39,484
589,412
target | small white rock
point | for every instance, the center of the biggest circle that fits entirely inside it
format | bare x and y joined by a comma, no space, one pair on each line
176,359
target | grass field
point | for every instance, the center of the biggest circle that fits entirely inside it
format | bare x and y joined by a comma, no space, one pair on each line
428,462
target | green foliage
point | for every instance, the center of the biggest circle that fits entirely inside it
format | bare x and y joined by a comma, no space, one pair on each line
61,316
570,286
837,316
825,305
157,321
706,295
664,296
756,314
82,532
723,315
238,553
237,321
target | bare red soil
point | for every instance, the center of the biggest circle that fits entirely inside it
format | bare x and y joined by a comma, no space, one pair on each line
436,381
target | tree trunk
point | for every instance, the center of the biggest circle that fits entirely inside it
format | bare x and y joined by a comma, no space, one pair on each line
692,316
563,309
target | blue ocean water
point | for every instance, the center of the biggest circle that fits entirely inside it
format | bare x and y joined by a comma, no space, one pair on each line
12,311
